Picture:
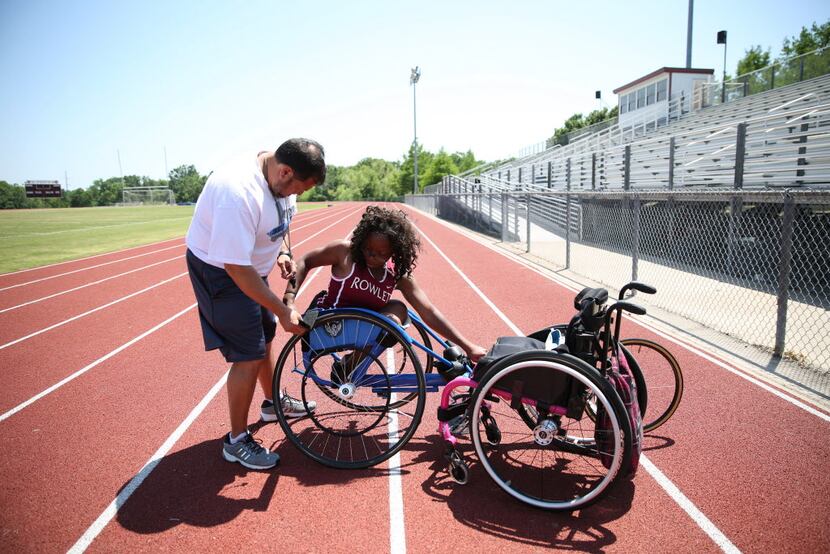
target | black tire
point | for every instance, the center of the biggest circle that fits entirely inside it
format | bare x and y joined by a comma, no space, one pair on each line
363,424
662,377
567,472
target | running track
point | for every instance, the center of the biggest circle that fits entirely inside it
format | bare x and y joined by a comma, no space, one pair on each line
111,413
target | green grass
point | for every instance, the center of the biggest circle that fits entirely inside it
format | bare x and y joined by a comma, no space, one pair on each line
31,238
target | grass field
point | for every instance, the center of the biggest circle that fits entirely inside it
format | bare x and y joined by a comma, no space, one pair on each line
31,238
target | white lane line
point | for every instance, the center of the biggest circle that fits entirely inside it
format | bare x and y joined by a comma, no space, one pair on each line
688,506
87,257
92,311
397,527
297,218
800,403
141,291
89,267
86,368
109,512
112,509
300,216
88,284
697,516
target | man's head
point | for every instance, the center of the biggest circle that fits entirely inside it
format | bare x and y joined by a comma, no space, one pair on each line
301,165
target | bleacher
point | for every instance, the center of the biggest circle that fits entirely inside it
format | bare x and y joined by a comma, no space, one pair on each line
786,145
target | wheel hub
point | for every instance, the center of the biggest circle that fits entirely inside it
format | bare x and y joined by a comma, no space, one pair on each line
544,433
346,391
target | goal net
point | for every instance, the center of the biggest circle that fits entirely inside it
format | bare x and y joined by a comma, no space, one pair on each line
136,196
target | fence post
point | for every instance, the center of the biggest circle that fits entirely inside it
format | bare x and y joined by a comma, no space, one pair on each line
635,237
528,196
772,77
784,273
504,229
802,150
550,175
736,204
593,171
671,163
627,168
568,213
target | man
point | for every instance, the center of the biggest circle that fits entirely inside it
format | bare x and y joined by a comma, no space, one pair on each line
237,235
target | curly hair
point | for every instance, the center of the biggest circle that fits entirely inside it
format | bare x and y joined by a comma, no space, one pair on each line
395,226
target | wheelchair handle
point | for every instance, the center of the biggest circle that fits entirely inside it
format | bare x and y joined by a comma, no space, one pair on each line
621,306
638,286
309,318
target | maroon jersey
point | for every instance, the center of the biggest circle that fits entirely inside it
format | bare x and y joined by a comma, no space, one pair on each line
359,289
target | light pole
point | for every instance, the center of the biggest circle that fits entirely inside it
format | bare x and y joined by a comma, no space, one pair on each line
722,40
413,80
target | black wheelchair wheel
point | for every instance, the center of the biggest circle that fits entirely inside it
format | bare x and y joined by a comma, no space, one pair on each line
661,374
563,463
360,413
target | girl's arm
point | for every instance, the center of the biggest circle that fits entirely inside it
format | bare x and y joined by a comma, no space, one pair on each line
333,254
435,319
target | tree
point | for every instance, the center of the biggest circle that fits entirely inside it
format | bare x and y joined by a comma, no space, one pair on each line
440,165
11,196
79,198
186,183
755,58
106,192
818,36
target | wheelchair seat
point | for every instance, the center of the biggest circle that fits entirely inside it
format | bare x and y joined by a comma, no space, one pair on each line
505,346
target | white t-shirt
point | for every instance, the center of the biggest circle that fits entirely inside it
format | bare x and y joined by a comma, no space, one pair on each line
238,220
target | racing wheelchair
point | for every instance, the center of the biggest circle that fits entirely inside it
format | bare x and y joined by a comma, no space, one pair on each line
554,423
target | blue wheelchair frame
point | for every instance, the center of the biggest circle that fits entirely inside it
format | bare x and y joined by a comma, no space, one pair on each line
319,340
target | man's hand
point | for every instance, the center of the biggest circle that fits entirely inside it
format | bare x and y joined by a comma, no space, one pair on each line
290,321
288,269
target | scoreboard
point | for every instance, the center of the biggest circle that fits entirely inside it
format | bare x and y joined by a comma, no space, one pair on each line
43,189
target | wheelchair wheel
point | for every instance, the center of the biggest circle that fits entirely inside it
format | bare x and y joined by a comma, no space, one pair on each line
661,376
561,463
365,410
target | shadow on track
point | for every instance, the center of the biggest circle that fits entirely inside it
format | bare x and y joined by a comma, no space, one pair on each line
485,507
196,486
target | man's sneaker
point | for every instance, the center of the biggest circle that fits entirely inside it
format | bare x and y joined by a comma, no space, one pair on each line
291,407
249,453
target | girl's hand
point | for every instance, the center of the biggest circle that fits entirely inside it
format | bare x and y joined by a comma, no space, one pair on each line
475,352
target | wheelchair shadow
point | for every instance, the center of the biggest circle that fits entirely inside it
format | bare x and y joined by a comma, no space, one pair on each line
656,442
197,487
482,505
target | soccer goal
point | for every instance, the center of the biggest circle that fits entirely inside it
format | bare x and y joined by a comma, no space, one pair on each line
137,196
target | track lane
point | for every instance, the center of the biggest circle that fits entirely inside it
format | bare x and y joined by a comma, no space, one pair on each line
721,413
96,411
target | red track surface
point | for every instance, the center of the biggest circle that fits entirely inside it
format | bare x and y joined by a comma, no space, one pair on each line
752,463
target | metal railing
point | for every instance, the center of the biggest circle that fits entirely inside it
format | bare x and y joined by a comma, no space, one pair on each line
753,265
778,74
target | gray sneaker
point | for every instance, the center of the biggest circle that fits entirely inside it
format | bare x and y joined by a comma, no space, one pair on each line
249,453
291,407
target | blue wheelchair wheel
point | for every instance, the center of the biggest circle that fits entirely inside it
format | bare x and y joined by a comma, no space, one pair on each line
366,385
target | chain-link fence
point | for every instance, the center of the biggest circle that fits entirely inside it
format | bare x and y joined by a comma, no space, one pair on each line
753,265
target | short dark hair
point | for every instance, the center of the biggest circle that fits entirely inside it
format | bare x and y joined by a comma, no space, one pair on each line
305,156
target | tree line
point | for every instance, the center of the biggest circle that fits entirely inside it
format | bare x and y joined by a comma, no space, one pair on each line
369,179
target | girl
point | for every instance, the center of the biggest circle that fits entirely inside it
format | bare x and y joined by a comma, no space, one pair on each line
361,275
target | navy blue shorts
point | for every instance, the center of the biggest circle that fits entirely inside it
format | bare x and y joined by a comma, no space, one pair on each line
231,321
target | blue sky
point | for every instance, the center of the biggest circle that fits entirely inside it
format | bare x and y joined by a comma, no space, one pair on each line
85,81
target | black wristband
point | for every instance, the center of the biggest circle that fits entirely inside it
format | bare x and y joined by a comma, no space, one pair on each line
285,253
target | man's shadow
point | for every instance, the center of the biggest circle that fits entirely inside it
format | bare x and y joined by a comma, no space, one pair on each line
195,486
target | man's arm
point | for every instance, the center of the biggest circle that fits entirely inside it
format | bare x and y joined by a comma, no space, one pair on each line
249,282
